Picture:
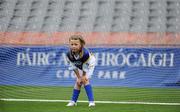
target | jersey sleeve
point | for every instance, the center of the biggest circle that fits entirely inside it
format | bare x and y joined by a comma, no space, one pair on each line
89,65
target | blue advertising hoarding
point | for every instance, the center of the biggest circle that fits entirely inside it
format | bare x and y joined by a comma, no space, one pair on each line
115,66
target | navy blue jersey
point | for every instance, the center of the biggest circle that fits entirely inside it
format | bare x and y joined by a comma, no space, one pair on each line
83,57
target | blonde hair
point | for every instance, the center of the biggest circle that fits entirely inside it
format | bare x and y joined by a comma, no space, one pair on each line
78,37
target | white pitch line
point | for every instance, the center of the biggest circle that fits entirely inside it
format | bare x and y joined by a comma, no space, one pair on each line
110,102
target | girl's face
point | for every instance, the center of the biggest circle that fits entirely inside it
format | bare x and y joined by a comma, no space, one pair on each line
75,46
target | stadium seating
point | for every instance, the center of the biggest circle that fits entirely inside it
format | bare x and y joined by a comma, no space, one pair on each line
90,15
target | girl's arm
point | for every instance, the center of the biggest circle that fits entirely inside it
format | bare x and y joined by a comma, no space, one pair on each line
79,81
84,78
77,73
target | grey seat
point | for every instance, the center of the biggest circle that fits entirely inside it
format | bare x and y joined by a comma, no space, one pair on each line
6,13
90,15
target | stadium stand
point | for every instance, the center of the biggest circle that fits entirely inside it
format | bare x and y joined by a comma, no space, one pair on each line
90,15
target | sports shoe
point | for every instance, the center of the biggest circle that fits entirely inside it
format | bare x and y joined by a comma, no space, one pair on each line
91,104
71,103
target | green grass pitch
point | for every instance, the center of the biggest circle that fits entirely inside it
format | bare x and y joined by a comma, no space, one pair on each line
160,95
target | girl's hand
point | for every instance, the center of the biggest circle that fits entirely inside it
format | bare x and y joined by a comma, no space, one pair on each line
79,81
84,79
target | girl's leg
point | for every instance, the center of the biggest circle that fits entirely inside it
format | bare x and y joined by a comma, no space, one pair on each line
75,95
76,92
89,92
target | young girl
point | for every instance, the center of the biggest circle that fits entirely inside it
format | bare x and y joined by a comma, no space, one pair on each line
82,62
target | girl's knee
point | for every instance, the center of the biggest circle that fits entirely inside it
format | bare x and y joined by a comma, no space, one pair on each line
86,82
77,86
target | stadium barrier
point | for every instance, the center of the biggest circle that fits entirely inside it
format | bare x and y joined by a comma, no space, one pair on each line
115,66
